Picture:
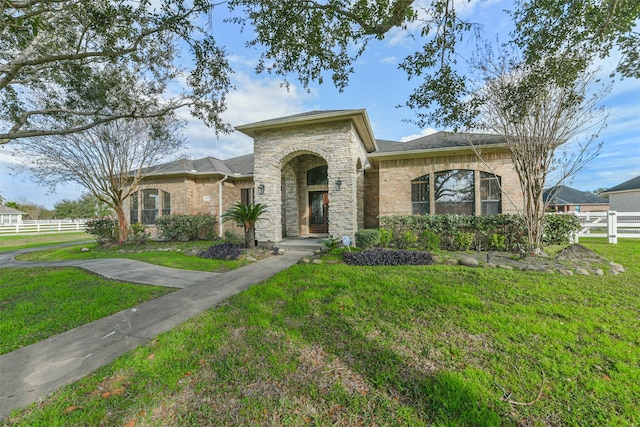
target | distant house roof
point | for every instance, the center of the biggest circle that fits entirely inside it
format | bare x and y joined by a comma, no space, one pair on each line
632,184
562,195
6,210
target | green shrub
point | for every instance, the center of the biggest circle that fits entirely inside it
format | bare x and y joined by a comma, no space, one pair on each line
104,230
366,239
181,228
331,243
497,242
558,228
429,240
385,237
137,235
463,241
409,239
233,237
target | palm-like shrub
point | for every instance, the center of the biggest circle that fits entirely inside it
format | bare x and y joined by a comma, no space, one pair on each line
246,217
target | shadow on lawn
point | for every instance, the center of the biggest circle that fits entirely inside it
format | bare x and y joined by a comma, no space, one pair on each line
437,396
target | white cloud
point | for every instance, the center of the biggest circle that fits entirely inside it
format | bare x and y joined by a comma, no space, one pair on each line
255,99
424,132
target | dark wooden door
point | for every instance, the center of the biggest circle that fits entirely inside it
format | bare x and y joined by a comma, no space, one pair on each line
319,212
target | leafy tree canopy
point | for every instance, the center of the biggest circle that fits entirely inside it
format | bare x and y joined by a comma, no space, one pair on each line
67,65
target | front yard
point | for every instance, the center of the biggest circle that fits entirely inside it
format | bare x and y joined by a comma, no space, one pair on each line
338,345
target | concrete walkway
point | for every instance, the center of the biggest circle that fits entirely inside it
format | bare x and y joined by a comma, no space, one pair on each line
33,372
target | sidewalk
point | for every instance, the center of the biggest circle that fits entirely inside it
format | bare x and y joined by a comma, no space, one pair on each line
35,371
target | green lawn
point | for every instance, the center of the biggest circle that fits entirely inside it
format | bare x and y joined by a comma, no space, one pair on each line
36,303
340,345
151,252
15,242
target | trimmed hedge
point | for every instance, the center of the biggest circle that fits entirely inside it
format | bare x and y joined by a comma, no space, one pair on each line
368,238
183,228
466,232
379,256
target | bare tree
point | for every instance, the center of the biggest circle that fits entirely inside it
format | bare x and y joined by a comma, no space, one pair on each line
550,129
108,160
33,210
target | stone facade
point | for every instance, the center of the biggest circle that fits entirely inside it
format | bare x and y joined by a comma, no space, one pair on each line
284,155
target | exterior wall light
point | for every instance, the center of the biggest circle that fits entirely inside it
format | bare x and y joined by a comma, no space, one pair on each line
338,184
261,189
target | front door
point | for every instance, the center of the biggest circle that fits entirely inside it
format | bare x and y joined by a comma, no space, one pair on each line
319,212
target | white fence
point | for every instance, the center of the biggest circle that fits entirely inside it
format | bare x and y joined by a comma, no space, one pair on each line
610,225
44,226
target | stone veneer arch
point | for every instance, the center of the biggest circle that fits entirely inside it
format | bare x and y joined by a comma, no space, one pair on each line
339,145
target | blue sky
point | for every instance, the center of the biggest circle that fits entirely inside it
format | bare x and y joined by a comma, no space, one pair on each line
378,86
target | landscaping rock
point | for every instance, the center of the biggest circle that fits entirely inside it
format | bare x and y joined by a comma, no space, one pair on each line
566,272
305,260
436,259
251,258
614,272
468,262
505,267
619,268
582,272
316,261
489,265
451,261
599,272
85,250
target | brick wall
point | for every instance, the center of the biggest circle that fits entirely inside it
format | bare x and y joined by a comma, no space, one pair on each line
395,176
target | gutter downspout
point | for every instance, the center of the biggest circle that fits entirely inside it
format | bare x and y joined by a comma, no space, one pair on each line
220,204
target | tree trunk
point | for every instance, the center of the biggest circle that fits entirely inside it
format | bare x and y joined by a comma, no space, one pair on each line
250,237
123,230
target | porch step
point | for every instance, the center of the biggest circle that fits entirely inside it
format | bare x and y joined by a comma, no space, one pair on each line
301,244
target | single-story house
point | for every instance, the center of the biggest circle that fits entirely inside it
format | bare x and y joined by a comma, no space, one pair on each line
324,173
567,199
10,215
625,197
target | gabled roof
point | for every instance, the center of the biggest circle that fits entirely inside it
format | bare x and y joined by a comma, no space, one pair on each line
359,118
237,166
10,211
439,141
563,195
632,184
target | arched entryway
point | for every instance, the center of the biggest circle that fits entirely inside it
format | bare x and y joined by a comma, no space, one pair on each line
305,195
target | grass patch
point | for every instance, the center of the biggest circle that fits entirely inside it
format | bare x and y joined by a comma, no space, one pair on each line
37,303
173,254
340,345
15,242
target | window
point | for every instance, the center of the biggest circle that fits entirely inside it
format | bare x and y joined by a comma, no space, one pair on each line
150,205
318,176
246,196
166,203
133,211
490,194
420,195
454,192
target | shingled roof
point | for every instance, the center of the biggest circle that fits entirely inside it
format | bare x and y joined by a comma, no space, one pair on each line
563,195
242,165
632,184
439,140
10,211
